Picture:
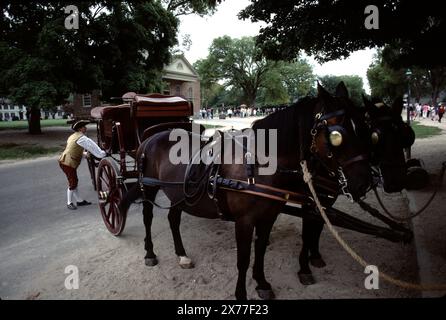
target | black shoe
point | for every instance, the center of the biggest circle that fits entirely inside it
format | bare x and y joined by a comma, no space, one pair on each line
84,203
71,206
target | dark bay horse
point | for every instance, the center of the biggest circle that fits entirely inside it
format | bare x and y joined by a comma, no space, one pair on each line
304,132
386,136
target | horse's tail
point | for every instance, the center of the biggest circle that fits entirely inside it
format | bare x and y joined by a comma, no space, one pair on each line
130,196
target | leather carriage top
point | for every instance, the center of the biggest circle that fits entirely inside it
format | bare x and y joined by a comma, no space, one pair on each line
142,106
138,113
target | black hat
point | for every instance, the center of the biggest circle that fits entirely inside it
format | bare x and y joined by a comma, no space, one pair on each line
79,124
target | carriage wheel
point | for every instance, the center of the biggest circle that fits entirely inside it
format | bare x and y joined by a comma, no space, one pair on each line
92,168
110,193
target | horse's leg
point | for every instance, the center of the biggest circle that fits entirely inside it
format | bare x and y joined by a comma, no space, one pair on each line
174,217
243,234
315,256
150,258
304,274
263,230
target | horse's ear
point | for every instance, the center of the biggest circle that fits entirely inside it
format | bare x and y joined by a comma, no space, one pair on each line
397,106
321,92
341,90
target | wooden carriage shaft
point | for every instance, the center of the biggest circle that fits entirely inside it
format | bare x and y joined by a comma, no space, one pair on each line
343,220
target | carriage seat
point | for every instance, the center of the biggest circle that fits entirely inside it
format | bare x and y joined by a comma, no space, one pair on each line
159,105
106,116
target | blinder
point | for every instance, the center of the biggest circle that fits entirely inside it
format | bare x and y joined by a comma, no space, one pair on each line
335,136
405,133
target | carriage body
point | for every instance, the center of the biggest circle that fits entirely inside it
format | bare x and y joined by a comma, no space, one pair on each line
120,131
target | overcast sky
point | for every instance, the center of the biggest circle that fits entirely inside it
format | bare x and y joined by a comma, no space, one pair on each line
225,22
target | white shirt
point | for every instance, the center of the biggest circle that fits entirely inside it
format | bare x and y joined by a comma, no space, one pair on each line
91,146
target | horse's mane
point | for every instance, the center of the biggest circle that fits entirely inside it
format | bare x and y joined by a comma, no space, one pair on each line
290,122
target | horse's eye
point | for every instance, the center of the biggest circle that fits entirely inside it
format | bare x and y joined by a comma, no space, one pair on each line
335,138
375,137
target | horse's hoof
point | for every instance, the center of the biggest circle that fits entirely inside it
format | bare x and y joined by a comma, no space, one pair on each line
151,262
306,279
265,294
186,263
318,262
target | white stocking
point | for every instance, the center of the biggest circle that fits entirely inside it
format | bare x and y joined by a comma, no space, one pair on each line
77,196
69,196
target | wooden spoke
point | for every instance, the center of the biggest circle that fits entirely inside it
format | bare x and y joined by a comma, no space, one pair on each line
107,181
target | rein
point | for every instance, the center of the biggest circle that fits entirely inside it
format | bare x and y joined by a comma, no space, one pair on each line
353,254
424,207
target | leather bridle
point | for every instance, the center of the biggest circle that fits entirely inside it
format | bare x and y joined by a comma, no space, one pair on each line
322,124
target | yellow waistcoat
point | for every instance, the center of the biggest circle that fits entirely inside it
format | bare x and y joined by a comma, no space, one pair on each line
72,155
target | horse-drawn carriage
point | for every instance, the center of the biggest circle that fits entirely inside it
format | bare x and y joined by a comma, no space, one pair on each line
120,130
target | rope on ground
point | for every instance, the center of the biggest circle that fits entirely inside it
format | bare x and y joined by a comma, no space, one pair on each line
407,285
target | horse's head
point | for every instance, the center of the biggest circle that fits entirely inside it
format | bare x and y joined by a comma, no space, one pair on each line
336,142
389,135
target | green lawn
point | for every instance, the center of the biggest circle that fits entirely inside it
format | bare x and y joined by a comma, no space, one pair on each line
422,131
16,125
16,151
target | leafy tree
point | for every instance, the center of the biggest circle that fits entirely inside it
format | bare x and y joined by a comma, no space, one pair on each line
385,82
186,7
354,85
298,78
389,83
238,63
120,46
332,29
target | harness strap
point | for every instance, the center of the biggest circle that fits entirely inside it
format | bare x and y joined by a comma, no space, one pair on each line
259,190
334,114
361,157
152,182
263,191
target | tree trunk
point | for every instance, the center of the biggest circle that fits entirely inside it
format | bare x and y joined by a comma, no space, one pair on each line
250,96
34,121
435,95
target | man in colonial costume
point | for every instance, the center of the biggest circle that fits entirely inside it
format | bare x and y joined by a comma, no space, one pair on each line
71,158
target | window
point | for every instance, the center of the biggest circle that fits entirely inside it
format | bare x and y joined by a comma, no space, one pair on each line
178,90
190,94
86,100
180,66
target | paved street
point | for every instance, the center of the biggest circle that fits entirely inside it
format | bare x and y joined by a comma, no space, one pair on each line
35,225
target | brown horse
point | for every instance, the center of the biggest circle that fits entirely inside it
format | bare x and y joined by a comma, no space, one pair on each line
386,136
304,132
